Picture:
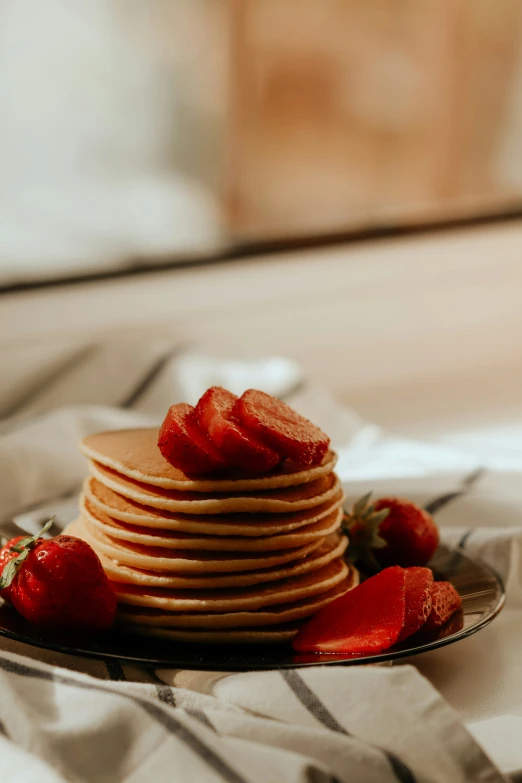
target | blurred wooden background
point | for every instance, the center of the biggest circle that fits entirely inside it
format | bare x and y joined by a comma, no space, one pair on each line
137,133
357,113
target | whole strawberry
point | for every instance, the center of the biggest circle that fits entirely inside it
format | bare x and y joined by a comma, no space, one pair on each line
391,531
57,582
8,552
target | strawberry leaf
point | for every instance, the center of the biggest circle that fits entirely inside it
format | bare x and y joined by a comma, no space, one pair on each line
361,505
22,548
362,525
11,569
378,542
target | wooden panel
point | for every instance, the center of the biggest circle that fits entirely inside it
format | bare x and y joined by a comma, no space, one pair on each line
351,113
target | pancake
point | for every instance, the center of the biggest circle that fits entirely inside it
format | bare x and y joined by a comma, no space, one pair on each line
179,560
236,599
230,558
168,540
332,547
274,616
294,498
272,635
135,454
126,510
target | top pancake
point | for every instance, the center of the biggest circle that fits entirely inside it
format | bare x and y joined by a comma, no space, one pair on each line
135,454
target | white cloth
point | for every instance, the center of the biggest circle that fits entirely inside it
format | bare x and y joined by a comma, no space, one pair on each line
317,724
134,175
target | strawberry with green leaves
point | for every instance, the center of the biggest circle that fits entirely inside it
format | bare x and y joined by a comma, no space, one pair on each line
58,582
390,531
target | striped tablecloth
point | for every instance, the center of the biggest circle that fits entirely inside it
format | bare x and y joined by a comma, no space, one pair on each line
72,719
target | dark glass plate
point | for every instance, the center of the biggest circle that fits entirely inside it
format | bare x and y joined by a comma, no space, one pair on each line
481,590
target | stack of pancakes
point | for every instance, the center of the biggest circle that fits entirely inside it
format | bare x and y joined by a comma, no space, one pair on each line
229,559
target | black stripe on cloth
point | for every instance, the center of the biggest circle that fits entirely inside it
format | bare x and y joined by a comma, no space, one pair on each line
114,670
443,500
70,493
473,477
150,376
68,364
9,530
464,539
455,560
316,775
201,717
316,707
158,713
166,695
309,700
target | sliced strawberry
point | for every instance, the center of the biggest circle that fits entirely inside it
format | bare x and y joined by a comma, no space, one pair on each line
243,449
419,582
367,619
453,625
184,445
276,424
445,601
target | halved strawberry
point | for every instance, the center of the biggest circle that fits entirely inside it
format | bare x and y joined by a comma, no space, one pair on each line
367,619
419,582
284,430
445,601
243,449
184,445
